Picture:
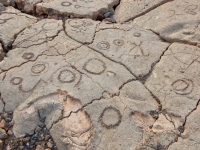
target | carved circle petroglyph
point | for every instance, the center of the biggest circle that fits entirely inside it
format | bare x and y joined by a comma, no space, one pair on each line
66,76
110,117
39,68
95,66
118,42
191,9
183,86
103,45
50,26
66,4
16,80
28,56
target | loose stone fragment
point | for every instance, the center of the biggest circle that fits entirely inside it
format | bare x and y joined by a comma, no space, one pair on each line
176,82
81,30
2,54
129,9
12,22
2,133
178,20
79,8
137,49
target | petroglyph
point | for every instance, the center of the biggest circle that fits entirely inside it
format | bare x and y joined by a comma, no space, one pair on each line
78,8
176,82
131,48
175,21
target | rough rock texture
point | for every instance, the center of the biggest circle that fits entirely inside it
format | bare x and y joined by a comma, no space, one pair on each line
2,54
77,8
12,22
190,137
83,84
81,30
175,21
137,49
176,82
39,33
130,9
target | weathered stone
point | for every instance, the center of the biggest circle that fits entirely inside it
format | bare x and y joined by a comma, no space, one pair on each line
2,54
81,30
137,49
60,45
27,6
114,127
190,137
39,33
175,81
2,133
1,145
80,8
39,147
12,22
178,20
2,123
109,75
129,9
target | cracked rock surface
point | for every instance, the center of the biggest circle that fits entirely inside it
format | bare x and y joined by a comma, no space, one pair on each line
71,79
175,21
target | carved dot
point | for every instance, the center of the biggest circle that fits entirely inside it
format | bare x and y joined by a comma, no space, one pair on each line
111,74
28,56
95,66
118,42
110,118
50,26
38,68
103,45
66,76
66,3
16,80
137,34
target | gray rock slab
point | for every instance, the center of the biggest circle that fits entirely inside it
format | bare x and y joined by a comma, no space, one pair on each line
129,9
38,33
81,30
178,20
80,8
108,74
55,73
1,106
175,81
12,22
137,49
60,45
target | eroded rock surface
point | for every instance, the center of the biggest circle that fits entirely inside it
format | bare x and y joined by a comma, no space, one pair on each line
137,49
190,137
129,9
77,8
96,85
176,82
12,22
175,21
